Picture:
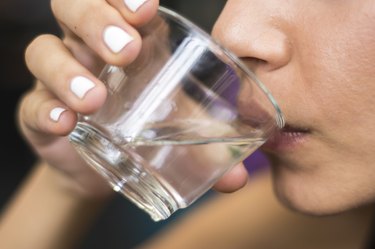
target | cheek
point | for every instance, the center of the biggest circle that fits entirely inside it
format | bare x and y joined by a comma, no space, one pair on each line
342,89
337,65
337,82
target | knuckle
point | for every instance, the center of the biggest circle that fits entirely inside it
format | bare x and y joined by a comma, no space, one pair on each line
92,11
23,107
37,43
30,51
55,7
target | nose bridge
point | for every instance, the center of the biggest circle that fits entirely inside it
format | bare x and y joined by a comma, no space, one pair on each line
253,33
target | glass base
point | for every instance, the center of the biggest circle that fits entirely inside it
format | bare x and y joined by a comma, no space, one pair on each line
124,171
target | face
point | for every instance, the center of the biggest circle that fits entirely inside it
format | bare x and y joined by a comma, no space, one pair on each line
317,57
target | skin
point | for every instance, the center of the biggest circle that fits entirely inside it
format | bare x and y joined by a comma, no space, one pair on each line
316,57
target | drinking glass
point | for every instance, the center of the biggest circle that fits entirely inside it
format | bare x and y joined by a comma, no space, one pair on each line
176,119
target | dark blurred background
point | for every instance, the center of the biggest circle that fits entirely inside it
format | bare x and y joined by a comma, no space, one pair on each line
20,22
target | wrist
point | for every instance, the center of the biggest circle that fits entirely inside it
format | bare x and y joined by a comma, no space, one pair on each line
81,188
52,213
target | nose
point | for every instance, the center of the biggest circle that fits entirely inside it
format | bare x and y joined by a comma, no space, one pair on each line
255,37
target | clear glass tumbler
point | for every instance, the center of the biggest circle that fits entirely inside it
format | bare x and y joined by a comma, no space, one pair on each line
175,120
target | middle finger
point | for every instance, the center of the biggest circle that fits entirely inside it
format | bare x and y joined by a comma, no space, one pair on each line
101,27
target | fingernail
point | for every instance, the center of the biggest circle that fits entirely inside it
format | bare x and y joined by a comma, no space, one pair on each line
116,38
56,113
80,86
134,5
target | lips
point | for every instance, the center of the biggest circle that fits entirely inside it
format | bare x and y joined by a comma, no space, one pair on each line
288,138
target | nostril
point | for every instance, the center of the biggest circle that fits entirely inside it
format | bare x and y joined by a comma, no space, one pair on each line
254,63
259,45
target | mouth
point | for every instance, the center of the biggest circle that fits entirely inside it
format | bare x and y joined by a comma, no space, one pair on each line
287,139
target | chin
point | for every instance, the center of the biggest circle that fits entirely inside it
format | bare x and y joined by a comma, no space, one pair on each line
311,195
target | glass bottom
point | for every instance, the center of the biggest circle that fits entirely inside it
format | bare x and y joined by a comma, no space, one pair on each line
124,171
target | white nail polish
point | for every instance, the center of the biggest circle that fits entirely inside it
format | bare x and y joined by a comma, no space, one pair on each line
134,5
56,113
116,38
80,86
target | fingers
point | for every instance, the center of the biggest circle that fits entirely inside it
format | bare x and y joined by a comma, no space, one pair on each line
136,12
49,61
233,180
41,113
106,26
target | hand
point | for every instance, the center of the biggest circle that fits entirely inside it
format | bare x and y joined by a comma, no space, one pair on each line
48,112
66,69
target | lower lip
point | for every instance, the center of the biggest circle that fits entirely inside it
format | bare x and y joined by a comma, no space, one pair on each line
283,141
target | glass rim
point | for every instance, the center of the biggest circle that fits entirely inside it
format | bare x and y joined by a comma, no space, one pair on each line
280,121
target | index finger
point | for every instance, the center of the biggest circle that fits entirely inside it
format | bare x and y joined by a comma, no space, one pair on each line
102,26
136,12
